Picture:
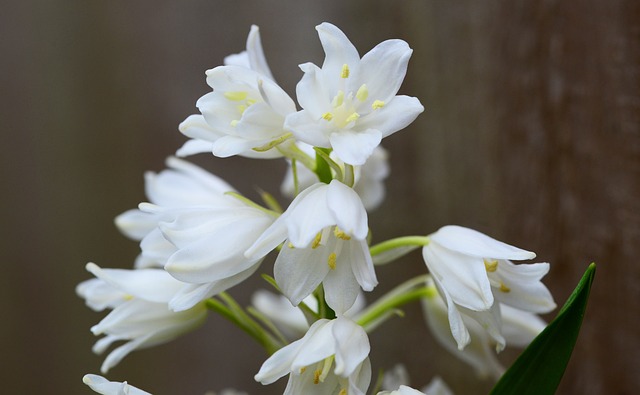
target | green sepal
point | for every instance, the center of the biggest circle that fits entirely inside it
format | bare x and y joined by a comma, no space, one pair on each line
540,367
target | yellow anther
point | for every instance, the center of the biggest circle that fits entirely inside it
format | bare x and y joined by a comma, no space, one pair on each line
345,71
340,234
491,266
250,102
241,108
377,104
328,116
316,376
127,297
352,118
338,99
332,260
236,96
363,92
504,288
317,240
303,369
234,123
290,245
342,392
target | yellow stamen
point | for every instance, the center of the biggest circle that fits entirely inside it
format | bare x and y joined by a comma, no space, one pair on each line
303,369
250,102
290,245
241,108
338,99
332,260
326,368
363,92
127,297
317,240
491,266
377,104
352,118
236,96
345,71
343,392
328,116
234,123
316,377
504,288
340,234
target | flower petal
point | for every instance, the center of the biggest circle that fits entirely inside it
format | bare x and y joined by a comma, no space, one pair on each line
470,242
354,147
395,115
338,52
347,209
383,69
298,271
352,346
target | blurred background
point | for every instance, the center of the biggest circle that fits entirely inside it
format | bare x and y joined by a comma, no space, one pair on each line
530,134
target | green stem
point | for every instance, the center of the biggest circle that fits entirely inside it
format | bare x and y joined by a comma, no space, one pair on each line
323,165
405,241
378,310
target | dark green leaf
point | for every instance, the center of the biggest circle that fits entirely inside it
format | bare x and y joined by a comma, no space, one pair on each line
540,367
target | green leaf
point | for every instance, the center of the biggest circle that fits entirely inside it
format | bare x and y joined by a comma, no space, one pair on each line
540,367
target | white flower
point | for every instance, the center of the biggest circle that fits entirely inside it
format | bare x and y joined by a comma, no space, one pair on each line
350,104
471,270
195,230
244,115
437,386
331,357
326,227
183,184
369,178
142,317
402,390
518,327
105,387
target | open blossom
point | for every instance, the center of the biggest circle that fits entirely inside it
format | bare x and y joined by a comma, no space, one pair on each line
402,390
350,103
105,387
325,229
141,315
472,271
518,327
245,113
332,356
183,184
195,230
369,178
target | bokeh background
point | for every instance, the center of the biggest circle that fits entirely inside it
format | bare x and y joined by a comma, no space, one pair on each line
530,134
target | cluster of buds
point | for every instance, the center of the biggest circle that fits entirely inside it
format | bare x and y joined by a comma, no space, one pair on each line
199,237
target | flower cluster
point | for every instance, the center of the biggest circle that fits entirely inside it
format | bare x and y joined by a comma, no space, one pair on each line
199,237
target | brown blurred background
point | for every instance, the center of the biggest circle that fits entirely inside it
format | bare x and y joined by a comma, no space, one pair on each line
530,134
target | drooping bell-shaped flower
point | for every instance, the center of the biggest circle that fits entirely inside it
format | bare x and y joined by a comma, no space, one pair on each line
350,103
472,271
142,318
333,356
325,229
245,113
515,328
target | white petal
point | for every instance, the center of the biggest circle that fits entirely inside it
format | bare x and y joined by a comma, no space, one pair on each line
340,285
315,348
196,127
383,69
193,147
396,115
308,129
470,242
354,147
347,209
361,264
105,387
352,346
525,290
312,92
308,214
298,271
338,52
463,277
153,285
136,224
520,327
257,60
